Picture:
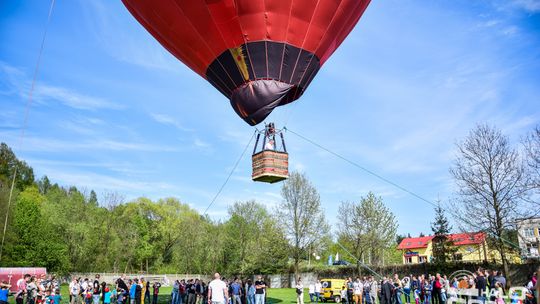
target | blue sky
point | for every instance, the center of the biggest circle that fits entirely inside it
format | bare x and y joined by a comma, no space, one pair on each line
113,111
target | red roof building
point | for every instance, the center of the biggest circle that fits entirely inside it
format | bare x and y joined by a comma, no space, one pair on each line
470,247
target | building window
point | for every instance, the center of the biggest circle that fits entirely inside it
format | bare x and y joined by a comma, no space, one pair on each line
458,257
408,260
422,259
528,233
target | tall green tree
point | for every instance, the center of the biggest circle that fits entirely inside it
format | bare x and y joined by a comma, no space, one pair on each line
368,228
9,163
252,239
301,213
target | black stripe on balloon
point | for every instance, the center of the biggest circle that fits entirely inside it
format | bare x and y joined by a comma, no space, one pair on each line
266,62
277,74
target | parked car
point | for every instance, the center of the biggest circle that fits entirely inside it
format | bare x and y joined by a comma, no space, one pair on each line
342,262
331,289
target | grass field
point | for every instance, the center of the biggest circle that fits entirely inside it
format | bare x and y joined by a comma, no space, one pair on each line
275,295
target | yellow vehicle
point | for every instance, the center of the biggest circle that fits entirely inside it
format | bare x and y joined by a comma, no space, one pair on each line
331,289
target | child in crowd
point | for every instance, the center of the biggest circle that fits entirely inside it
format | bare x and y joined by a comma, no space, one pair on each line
417,296
515,298
499,293
57,297
88,294
107,296
120,296
427,292
114,295
343,294
48,299
4,292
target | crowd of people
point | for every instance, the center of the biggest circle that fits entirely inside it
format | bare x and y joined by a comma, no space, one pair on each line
482,285
43,290
40,289
219,291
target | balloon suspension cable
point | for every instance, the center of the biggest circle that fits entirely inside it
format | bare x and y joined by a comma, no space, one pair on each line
25,122
231,173
386,180
359,262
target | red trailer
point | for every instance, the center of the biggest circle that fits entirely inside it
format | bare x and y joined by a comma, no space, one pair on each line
12,274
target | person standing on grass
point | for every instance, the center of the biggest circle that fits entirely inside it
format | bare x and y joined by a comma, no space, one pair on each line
132,291
138,291
311,291
4,292
260,288
74,291
299,291
155,292
318,289
236,292
373,290
357,290
217,291
31,291
96,288
250,292
106,295
438,285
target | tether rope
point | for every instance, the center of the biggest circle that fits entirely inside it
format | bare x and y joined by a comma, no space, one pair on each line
386,180
25,122
230,173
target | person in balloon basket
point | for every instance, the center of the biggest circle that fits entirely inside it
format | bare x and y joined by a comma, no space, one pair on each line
218,292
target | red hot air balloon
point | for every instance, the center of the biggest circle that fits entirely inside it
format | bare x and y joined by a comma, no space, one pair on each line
259,53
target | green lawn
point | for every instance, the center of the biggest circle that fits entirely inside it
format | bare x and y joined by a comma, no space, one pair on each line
275,295
284,296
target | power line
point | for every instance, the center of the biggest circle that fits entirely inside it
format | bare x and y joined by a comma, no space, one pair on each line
25,121
230,173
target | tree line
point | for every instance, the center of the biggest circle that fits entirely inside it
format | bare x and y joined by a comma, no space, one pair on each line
66,229
69,230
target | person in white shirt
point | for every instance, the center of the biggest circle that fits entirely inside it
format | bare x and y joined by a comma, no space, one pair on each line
217,291
318,288
299,291
311,292
358,288
74,291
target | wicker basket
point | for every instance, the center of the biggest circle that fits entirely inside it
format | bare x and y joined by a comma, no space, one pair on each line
270,166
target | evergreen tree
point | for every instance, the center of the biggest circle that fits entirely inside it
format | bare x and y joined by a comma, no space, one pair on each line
443,249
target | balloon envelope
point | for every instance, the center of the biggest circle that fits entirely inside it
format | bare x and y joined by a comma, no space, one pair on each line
258,53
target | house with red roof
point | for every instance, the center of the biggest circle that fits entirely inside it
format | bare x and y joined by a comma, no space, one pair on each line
469,247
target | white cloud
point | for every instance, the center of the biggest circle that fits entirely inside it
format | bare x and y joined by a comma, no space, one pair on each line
44,144
532,6
201,144
73,99
168,120
16,83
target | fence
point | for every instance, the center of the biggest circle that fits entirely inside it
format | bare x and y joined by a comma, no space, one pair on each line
164,279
